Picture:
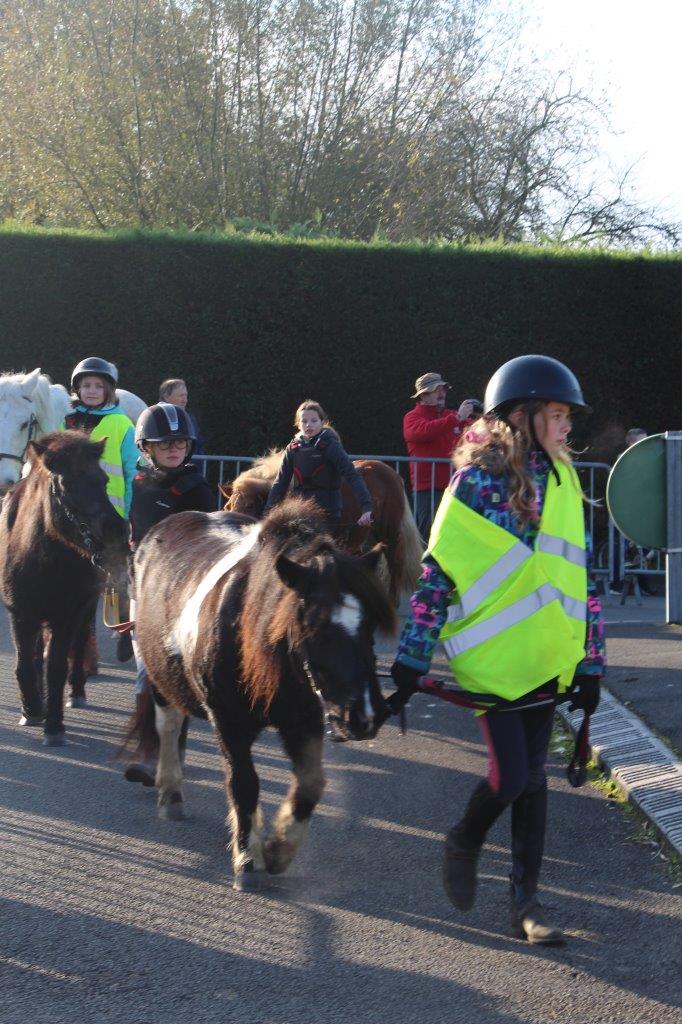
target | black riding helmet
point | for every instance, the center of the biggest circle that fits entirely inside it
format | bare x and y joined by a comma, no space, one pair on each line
532,378
96,366
164,422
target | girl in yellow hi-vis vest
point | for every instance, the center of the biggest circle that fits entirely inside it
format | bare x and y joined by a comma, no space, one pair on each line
505,590
96,411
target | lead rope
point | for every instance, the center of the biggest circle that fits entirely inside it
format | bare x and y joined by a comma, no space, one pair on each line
576,772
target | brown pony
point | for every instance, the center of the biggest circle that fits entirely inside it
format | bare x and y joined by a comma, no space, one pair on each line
255,624
393,523
57,528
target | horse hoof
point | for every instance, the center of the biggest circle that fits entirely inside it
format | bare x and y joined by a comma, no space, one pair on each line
250,880
172,812
32,720
278,856
139,773
54,739
76,702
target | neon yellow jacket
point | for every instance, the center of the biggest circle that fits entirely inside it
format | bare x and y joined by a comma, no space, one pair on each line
119,458
519,617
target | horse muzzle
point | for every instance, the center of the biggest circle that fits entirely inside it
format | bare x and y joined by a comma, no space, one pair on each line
358,720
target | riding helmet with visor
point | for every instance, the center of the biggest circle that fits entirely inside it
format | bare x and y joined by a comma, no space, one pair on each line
165,422
96,366
532,378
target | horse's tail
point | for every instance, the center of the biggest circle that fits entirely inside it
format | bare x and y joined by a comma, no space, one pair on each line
410,565
141,728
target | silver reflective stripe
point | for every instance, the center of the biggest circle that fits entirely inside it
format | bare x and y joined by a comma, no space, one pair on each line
573,607
488,583
508,617
551,545
116,502
111,468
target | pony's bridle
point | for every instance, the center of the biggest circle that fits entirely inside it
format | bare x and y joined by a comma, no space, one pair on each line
329,720
32,431
92,546
301,652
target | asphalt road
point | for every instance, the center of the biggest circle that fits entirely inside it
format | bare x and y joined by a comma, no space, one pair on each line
110,915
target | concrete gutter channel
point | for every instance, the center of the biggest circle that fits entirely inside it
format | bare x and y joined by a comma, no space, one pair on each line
646,770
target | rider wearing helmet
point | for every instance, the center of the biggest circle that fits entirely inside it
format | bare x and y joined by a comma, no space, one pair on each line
170,483
96,411
505,590
173,483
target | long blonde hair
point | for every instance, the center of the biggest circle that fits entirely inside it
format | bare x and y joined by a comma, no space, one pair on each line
500,449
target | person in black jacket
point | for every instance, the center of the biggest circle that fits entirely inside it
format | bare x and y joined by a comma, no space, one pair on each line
317,462
170,483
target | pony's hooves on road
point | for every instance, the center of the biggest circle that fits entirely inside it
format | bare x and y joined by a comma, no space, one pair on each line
76,702
250,881
32,720
278,856
172,812
54,739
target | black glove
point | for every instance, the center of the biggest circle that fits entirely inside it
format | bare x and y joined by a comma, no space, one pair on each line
584,693
406,679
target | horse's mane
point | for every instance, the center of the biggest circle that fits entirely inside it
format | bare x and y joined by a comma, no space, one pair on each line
247,484
266,467
253,484
272,623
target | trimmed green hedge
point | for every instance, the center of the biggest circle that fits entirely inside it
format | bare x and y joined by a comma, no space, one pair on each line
256,325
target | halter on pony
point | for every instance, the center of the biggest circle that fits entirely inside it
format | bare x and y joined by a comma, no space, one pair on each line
32,431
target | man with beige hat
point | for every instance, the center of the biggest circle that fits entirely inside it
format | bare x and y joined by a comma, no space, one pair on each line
431,432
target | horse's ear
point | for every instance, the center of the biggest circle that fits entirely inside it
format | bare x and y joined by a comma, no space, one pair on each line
292,574
371,559
100,446
35,451
30,382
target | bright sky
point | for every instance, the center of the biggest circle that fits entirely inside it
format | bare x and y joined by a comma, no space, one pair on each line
632,52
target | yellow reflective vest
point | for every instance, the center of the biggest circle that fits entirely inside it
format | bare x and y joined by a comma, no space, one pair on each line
518,616
114,426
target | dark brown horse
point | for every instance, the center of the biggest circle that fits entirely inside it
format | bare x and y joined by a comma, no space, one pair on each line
56,528
393,523
256,624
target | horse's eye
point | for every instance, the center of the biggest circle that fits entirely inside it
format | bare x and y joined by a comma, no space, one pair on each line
23,425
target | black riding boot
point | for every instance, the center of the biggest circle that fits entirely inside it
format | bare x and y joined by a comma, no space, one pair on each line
529,820
463,845
144,770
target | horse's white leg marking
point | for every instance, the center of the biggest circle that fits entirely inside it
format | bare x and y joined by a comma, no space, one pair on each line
254,848
304,794
348,614
289,832
183,638
169,771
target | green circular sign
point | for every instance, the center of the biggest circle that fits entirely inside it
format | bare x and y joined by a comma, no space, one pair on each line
636,493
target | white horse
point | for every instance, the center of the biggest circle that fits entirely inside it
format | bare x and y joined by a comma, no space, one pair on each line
30,406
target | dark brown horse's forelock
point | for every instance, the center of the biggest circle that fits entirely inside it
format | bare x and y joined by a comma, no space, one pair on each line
276,620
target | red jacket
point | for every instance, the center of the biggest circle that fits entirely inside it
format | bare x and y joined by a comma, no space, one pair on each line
431,434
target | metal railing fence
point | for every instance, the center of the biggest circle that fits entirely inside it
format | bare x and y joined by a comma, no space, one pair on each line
614,556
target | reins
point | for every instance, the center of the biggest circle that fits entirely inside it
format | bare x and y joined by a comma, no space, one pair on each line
576,772
32,431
